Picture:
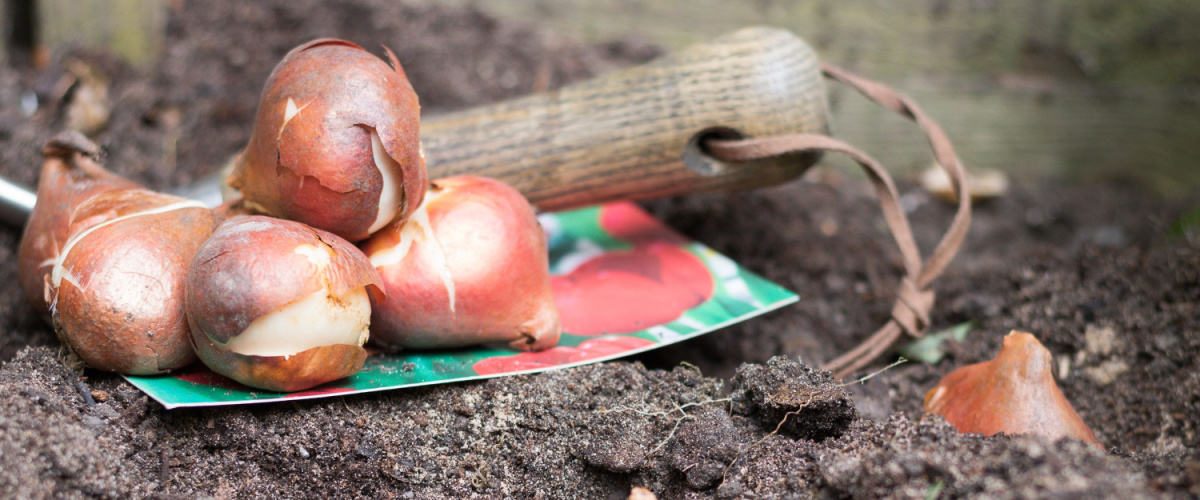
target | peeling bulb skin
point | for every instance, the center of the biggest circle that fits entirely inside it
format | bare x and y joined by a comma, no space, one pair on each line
279,305
70,177
116,291
335,142
469,266
1014,393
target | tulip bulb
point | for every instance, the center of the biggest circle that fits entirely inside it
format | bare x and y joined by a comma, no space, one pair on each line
279,305
116,289
70,177
335,142
1014,393
469,266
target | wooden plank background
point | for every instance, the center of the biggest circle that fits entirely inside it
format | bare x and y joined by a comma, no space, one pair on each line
132,29
1115,41
1083,89
5,29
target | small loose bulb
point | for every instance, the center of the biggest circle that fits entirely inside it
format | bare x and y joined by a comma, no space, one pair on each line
1014,393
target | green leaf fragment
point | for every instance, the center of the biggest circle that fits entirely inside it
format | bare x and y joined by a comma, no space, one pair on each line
1187,226
928,349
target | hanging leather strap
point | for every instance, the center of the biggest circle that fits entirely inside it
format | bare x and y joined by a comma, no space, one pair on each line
914,299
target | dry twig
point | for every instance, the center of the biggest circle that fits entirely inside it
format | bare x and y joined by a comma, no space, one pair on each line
875,373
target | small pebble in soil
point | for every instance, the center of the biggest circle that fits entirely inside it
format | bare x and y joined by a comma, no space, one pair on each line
105,411
1107,372
730,489
1099,340
366,451
93,424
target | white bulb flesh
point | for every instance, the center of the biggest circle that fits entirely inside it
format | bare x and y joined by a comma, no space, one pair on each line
289,112
392,194
318,256
418,228
317,320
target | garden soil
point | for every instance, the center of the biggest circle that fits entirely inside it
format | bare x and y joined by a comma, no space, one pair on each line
1099,273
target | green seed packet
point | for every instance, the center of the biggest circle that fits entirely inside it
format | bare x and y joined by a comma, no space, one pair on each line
623,284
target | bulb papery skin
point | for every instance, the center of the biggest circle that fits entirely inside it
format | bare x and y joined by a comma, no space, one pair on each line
279,305
116,290
1014,393
469,266
335,143
70,177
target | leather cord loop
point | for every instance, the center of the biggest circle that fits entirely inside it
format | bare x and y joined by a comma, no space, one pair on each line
914,298
912,308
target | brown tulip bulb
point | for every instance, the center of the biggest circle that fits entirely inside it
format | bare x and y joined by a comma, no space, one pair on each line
116,289
1014,393
279,305
70,176
469,266
336,142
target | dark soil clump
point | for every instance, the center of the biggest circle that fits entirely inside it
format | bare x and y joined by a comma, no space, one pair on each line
1094,271
800,400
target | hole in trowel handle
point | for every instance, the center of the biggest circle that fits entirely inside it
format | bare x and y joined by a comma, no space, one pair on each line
696,155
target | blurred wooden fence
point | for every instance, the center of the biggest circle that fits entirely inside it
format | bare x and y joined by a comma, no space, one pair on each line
1079,88
1086,89
132,29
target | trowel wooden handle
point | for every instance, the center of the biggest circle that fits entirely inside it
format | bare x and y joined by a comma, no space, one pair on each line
635,134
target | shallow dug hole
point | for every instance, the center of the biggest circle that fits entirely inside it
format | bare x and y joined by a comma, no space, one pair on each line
1092,270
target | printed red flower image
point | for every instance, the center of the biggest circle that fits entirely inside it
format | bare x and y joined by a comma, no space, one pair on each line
626,221
589,349
627,291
